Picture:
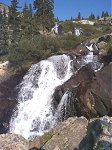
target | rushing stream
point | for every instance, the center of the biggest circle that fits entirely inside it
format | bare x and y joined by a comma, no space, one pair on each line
35,114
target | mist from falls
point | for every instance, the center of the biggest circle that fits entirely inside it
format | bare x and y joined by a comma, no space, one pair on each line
35,113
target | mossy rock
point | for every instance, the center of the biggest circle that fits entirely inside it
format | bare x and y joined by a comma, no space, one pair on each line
40,141
46,137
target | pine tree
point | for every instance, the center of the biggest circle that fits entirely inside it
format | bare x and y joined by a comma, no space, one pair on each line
30,10
71,18
14,19
92,16
106,14
44,13
26,20
103,14
98,17
25,10
57,19
3,33
79,16
13,13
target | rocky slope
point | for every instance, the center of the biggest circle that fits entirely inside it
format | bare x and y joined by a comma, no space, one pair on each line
73,134
13,142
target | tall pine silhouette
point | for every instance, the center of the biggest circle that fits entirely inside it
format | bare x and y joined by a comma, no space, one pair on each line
44,13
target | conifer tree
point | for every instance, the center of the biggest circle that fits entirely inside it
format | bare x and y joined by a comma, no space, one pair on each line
71,18
79,16
26,20
103,14
44,12
30,10
92,16
14,20
25,10
98,17
106,14
14,13
3,33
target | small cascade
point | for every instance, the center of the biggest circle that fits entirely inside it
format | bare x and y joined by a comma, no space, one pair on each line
65,107
92,59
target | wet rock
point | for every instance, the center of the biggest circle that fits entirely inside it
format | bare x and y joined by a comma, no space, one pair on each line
81,49
13,142
106,56
79,85
89,93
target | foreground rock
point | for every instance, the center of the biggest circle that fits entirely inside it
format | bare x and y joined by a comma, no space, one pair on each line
73,134
13,142
77,134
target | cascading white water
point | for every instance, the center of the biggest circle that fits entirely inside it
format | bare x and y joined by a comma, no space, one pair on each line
63,106
93,59
34,114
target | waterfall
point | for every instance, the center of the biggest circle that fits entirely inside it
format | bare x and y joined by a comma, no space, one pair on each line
92,59
34,114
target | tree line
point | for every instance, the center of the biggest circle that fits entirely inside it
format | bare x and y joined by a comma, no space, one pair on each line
20,38
24,25
92,16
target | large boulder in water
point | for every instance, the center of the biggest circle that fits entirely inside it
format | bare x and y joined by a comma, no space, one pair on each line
89,93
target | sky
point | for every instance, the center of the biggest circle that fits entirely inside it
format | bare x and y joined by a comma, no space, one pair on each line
65,9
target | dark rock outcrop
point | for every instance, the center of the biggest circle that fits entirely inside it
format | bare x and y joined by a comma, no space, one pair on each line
8,93
89,93
106,56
